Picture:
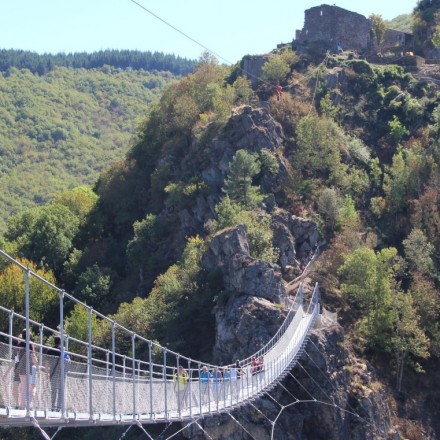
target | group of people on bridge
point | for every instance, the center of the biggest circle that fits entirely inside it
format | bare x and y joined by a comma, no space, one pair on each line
50,370
215,384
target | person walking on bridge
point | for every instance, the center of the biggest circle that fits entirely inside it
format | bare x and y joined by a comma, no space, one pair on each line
53,367
181,379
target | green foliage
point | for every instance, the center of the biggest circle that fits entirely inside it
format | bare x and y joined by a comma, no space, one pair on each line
175,309
269,162
181,195
93,286
260,235
77,326
227,213
403,23
106,60
238,185
419,252
379,26
436,37
358,150
362,67
289,56
319,144
367,277
80,200
258,228
401,180
347,216
143,249
243,90
61,129
427,304
329,204
338,211
42,298
275,69
408,337
44,235
327,107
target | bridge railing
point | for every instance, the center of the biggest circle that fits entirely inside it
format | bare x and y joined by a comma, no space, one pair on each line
132,377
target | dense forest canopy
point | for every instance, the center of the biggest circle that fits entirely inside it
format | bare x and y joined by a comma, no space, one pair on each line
120,59
62,128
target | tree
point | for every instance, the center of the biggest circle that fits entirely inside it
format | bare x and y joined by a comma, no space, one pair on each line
227,213
408,337
329,204
77,326
50,239
419,252
12,292
379,26
79,200
426,300
367,277
397,130
436,37
93,286
275,69
238,185
258,228
319,141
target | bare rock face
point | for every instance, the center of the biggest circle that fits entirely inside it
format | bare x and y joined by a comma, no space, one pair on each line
248,128
248,313
244,325
242,274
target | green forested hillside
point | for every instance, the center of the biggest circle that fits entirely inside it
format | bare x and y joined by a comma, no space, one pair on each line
63,128
402,23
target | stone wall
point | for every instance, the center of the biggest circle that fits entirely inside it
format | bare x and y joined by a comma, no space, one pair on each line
396,39
334,26
252,67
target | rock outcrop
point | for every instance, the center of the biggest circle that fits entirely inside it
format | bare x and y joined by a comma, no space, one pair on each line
330,395
248,314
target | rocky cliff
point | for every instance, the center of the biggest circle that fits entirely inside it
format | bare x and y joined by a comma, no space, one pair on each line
329,395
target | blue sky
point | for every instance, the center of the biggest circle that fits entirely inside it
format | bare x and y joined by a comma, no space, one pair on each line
230,28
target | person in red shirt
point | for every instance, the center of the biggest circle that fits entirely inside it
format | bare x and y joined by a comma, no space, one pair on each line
278,90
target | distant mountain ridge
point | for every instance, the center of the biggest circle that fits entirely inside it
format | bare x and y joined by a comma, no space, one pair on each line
123,59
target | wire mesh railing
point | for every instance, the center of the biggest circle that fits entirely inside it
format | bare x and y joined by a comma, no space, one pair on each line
55,377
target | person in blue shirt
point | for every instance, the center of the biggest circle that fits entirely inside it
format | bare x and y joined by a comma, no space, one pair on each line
204,384
216,380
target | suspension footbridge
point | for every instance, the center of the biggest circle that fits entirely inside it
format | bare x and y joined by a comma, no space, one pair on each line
132,380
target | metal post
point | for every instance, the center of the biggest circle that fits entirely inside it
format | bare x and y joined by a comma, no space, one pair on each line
114,369
177,384
164,373
133,350
150,362
300,294
89,363
40,360
28,359
107,362
62,385
200,389
11,329
189,388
